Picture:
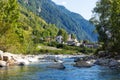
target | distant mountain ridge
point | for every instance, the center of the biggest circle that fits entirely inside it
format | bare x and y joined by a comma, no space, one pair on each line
62,18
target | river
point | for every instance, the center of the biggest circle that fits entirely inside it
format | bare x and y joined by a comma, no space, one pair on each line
39,71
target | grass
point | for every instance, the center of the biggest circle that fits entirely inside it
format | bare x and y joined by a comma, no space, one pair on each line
63,49
48,51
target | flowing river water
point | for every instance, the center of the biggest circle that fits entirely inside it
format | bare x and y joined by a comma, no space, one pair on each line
39,71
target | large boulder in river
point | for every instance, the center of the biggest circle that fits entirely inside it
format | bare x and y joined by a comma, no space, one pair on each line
85,58
86,61
56,66
83,64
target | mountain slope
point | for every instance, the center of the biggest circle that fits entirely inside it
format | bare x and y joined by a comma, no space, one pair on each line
62,18
25,34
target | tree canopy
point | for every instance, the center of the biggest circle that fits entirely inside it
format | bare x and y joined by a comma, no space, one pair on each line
107,20
21,30
63,33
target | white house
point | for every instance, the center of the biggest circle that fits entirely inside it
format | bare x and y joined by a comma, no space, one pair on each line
59,39
73,42
91,45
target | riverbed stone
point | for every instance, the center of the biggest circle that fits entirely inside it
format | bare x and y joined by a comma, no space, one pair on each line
3,63
11,62
56,66
85,58
112,63
102,62
83,64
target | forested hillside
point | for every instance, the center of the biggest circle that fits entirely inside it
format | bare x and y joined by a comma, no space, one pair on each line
62,18
20,29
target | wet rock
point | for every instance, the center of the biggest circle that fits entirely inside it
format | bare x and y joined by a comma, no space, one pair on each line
21,64
86,61
50,58
85,58
112,63
56,66
83,64
77,59
58,60
102,62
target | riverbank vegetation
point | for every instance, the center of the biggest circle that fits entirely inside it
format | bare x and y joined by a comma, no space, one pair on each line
20,29
57,48
107,21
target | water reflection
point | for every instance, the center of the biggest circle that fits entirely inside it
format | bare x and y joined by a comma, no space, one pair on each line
40,72
18,72
108,74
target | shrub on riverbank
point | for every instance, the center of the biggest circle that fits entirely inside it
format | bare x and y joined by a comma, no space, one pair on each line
73,48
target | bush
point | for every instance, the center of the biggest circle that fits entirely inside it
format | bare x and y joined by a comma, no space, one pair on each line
60,46
53,44
87,50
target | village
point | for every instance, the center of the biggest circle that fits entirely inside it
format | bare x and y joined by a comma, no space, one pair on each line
74,42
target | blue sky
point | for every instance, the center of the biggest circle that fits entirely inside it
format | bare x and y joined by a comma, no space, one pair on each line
83,7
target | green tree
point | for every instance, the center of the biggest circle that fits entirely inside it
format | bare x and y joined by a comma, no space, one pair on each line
46,34
115,26
9,14
107,21
12,11
73,36
2,14
63,33
102,13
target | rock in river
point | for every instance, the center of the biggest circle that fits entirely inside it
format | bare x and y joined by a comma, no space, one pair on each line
56,66
83,64
86,61
112,63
